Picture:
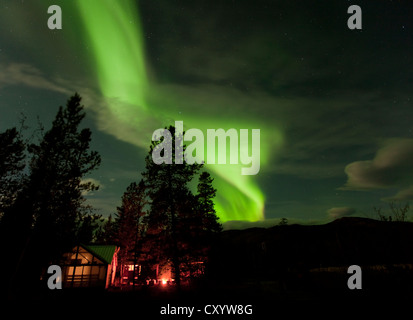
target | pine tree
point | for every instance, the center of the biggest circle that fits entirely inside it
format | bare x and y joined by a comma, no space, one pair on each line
130,224
12,148
169,192
47,213
87,227
107,233
205,204
58,164
203,224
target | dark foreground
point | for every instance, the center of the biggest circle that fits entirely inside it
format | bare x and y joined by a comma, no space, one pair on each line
264,274
315,293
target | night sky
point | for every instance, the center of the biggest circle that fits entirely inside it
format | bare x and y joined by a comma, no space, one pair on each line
334,105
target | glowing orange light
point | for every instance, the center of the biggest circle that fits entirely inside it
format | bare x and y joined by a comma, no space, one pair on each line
163,281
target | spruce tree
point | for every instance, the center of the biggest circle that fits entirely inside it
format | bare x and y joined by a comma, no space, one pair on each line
202,226
55,186
205,204
107,232
49,210
168,191
12,163
130,224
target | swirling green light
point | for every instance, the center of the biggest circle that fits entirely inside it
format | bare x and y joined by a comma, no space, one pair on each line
116,43
114,33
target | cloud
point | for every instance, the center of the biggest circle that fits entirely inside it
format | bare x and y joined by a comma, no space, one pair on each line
339,212
403,195
392,166
129,129
124,121
25,74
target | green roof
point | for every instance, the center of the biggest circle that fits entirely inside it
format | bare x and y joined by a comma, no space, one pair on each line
103,252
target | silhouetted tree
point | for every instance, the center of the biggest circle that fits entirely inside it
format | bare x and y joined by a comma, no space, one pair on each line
49,210
87,227
107,232
205,204
398,212
170,202
12,148
130,223
202,224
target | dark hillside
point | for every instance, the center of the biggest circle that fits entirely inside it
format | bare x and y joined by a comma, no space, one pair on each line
259,253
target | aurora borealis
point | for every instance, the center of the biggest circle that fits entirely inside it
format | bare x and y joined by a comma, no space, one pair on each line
123,78
333,106
121,71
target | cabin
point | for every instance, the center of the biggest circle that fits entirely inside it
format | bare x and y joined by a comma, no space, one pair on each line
90,266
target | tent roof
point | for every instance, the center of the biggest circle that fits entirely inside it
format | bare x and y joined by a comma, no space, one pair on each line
103,252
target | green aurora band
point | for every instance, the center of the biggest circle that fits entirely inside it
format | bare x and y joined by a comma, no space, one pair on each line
115,36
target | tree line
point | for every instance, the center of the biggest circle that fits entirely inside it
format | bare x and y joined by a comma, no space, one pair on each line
162,222
43,211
